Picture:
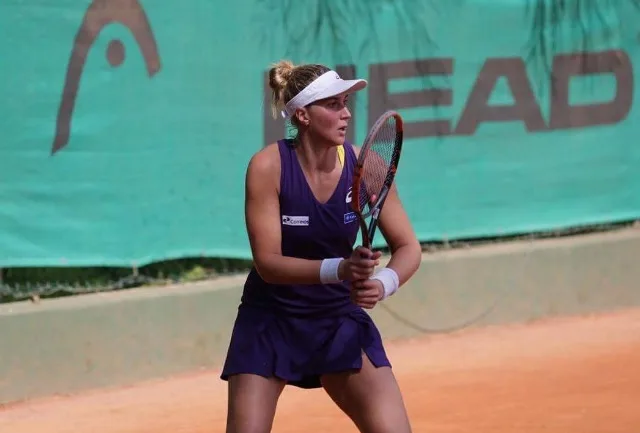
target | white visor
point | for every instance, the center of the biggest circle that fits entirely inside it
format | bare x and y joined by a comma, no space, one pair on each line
325,86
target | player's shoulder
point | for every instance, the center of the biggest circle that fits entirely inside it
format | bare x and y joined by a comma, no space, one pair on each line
266,158
265,163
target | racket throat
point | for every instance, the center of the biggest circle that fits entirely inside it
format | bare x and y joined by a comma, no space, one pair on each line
369,232
379,202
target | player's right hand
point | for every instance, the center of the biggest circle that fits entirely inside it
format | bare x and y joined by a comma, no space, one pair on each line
360,265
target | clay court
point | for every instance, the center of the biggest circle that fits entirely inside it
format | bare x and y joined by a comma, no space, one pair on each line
570,375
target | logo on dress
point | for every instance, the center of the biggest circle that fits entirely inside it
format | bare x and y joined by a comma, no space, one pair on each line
295,220
349,217
349,193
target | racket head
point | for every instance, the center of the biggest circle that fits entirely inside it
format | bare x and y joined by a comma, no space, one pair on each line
376,169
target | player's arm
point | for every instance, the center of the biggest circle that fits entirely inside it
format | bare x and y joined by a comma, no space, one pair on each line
395,226
262,214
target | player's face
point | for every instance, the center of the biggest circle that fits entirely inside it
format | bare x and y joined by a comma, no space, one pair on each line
329,119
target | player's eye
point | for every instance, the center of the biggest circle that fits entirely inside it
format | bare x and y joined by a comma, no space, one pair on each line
100,14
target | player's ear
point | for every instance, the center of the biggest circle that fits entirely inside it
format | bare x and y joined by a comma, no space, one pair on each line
302,115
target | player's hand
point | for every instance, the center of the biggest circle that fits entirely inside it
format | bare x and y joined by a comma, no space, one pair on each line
366,293
360,265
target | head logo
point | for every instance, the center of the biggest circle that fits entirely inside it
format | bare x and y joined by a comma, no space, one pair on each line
100,14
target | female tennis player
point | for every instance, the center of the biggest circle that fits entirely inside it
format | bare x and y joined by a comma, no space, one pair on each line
301,319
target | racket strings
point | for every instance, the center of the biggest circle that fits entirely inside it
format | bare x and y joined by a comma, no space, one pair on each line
380,154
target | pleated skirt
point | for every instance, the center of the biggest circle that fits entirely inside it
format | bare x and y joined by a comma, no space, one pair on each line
300,350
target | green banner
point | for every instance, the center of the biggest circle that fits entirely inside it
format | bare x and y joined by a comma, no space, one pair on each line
127,125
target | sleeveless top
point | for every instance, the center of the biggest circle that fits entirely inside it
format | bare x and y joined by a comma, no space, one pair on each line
310,230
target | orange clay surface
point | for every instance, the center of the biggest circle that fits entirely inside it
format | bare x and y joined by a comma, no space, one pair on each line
573,375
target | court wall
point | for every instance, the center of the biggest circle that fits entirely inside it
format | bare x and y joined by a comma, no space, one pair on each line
108,339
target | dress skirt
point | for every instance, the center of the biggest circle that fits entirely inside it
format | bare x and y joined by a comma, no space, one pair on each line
300,350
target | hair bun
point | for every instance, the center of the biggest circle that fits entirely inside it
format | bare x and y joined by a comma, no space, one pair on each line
280,73
279,76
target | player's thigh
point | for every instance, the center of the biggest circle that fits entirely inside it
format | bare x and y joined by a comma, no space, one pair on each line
252,402
371,397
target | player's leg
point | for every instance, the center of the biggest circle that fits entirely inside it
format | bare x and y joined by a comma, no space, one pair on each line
252,402
370,397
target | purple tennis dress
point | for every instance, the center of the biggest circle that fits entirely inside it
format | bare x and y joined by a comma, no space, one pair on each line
300,332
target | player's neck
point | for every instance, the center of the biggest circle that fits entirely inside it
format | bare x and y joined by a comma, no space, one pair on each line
317,156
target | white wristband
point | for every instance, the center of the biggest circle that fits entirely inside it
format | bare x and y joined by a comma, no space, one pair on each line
389,279
329,270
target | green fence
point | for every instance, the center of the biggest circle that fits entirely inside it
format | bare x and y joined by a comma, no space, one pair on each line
127,125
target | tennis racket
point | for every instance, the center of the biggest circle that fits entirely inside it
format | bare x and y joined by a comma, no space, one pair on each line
375,171
374,174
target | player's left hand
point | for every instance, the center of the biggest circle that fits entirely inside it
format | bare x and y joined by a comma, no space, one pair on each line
366,293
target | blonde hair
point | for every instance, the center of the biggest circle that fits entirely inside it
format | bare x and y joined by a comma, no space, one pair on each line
287,80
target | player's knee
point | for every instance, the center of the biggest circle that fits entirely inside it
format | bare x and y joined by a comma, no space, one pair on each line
249,425
386,424
250,417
